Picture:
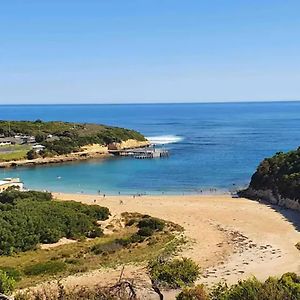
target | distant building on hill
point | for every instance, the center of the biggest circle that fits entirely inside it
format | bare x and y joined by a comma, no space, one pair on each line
6,141
17,140
11,182
38,148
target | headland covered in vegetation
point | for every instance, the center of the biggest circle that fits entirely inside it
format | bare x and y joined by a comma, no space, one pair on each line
38,142
277,180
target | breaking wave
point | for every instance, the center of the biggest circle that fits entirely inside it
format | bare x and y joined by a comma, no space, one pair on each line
164,139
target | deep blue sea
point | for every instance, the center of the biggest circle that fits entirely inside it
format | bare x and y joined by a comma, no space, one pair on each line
211,145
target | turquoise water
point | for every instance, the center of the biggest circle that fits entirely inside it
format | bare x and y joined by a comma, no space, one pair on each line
211,145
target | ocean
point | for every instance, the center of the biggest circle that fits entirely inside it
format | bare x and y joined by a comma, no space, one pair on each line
212,146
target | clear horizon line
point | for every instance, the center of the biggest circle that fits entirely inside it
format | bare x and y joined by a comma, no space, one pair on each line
153,103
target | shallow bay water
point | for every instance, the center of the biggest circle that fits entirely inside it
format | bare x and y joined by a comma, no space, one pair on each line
211,146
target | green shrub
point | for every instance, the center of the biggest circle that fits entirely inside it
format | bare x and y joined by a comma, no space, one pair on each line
136,238
7,283
130,222
153,223
145,231
50,267
124,241
31,154
12,273
97,232
174,274
30,218
248,289
198,292
108,248
285,288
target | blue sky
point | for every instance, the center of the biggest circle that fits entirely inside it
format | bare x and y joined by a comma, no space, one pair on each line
122,51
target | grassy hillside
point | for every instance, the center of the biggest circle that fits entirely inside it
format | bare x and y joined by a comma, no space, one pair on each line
67,129
280,174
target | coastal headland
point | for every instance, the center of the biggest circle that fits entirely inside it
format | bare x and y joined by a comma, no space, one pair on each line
28,143
92,151
230,239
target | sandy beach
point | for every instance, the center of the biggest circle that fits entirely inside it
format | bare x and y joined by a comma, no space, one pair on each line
230,239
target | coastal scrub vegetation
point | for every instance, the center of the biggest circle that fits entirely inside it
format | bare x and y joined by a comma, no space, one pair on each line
174,273
60,138
287,287
7,283
30,218
123,244
280,174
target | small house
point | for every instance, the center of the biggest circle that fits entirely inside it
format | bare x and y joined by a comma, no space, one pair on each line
38,148
11,182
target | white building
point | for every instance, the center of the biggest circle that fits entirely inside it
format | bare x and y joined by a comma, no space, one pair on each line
38,148
11,182
4,142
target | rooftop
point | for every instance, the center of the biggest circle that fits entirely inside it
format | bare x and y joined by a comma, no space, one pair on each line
9,180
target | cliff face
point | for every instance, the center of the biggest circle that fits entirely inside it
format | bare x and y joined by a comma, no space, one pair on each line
277,180
271,197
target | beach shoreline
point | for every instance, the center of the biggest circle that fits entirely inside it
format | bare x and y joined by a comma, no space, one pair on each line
230,238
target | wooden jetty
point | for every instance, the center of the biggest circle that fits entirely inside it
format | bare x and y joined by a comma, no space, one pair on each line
142,153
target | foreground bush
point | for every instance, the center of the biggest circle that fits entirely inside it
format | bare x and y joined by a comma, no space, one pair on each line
12,273
147,227
123,290
174,274
285,288
197,293
152,223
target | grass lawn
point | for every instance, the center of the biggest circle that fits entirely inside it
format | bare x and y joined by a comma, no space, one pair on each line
15,152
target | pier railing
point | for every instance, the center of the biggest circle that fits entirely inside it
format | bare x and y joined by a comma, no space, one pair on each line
142,153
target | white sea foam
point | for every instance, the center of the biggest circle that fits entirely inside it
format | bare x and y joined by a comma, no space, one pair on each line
164,139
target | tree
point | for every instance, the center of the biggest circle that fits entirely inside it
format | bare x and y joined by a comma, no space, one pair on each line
32,154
